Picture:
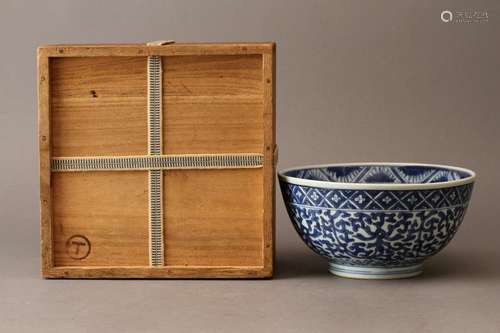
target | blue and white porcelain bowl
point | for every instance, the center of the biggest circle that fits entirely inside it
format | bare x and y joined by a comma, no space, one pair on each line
376,220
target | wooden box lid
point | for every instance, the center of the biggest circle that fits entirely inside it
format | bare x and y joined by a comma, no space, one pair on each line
157,161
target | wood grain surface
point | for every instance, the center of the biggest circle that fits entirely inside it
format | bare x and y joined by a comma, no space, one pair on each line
213,217
109,209
98,106
217,98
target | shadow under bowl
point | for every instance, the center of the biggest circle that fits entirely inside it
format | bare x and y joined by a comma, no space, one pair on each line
376,220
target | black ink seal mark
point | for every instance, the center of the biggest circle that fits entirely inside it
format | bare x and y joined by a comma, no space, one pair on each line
78,247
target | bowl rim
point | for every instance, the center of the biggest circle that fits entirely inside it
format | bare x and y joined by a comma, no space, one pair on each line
376,186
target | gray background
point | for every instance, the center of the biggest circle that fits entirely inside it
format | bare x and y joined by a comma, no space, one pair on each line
357,81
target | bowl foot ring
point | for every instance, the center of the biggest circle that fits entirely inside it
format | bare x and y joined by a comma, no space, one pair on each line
366,272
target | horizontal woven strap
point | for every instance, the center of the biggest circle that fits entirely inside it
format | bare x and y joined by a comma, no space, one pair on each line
157,162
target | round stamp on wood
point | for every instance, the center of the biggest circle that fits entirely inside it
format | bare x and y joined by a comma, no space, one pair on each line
78,247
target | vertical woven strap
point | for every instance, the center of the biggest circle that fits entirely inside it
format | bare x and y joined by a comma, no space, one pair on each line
154,105
155,218
154,148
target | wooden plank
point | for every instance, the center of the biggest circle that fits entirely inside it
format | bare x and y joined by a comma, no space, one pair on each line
212,75
128,50
99,106
269,171
171,272
109,210
44,144
213,217
212,124
212,104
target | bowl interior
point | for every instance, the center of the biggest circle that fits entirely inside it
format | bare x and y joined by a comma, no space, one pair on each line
380,173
